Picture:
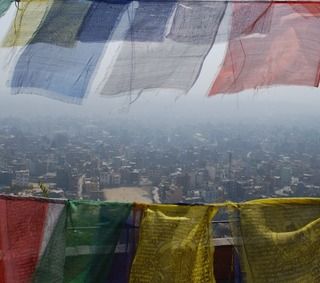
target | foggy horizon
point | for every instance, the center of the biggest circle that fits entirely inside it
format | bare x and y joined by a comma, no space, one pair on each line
265,105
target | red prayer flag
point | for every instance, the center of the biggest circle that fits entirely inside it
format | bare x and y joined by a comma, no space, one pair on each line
21,234
271,44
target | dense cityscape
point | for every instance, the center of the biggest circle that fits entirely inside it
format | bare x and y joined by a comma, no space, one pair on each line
121,160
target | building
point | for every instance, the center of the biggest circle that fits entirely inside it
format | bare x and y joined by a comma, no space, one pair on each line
22,178
105,179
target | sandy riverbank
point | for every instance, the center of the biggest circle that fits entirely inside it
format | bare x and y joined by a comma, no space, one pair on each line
129,194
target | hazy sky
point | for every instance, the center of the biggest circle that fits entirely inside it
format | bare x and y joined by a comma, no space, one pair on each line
264,104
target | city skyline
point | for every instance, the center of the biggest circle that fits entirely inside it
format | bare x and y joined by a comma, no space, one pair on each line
199,162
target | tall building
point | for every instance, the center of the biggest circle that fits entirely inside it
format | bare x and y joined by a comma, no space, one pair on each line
286,174
229,164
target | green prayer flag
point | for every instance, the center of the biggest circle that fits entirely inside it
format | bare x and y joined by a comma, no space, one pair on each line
93,230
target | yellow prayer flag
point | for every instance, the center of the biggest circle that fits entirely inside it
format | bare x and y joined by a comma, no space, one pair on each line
174,245
279,240
30,15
